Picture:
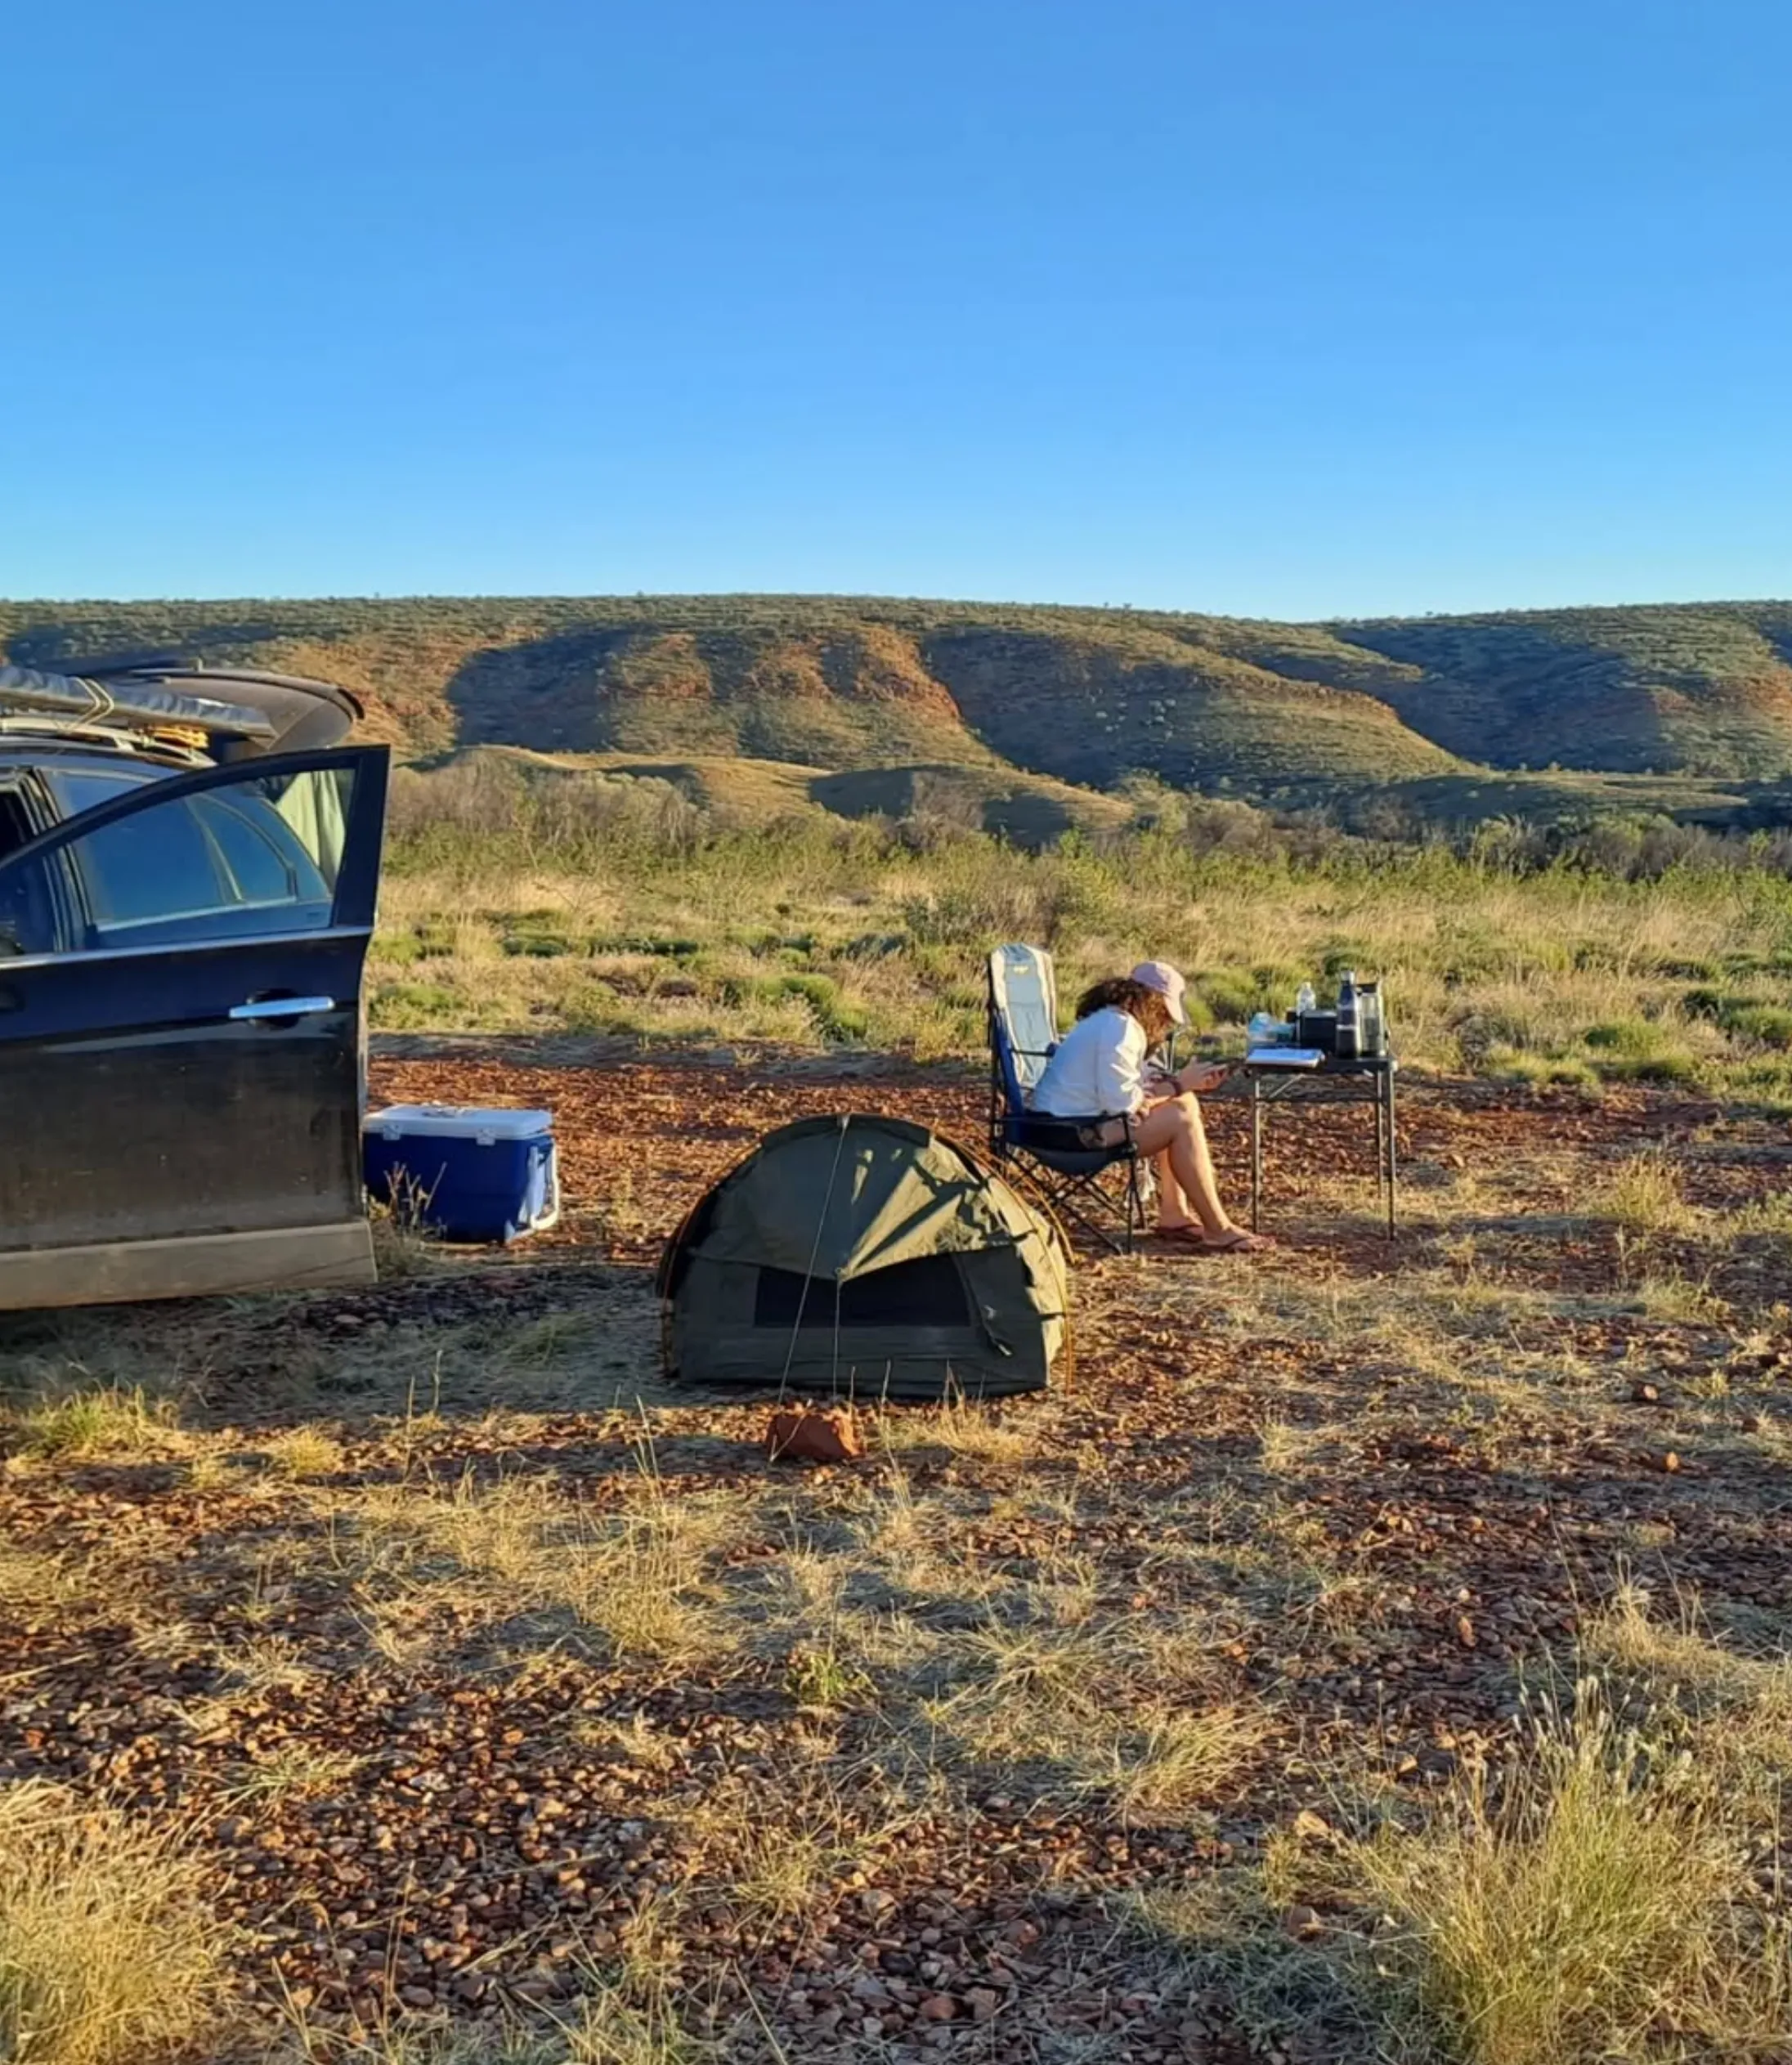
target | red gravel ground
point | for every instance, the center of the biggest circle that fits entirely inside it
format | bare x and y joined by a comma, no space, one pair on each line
1356,1492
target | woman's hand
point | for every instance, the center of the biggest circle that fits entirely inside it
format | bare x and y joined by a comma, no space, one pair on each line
1201,1078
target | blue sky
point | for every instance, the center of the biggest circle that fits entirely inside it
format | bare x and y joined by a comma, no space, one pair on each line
1320,307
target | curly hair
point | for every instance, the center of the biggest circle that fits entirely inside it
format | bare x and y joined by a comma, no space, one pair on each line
1137,1000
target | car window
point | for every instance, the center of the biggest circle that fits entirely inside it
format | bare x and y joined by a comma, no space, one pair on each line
265,862
148,869
78,789
259,855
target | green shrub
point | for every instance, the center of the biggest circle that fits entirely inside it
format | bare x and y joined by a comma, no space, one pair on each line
1631,1035
1670,1064
1771,1024
1229,994
401,1007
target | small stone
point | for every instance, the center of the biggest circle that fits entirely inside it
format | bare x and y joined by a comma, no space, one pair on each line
1299,1922
1670,1462
984,2002
1646,1394
1465,1632
938,2007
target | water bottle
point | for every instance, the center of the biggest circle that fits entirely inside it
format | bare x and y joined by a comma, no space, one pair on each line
1349,1022
1374,1028
1305,1000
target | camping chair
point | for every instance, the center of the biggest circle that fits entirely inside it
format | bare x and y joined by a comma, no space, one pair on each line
1072,1176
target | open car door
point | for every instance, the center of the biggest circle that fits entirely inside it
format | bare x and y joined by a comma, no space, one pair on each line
181,1035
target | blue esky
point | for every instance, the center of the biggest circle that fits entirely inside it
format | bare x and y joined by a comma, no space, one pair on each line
1280,307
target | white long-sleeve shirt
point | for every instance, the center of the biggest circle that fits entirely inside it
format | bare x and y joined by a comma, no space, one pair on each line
1097,1071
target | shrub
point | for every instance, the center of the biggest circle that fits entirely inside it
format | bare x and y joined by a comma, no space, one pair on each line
1771,1024
1229,994
1670,1065
403,1006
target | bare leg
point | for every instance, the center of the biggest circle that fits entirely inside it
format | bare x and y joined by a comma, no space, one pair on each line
1172,1206
1173,1130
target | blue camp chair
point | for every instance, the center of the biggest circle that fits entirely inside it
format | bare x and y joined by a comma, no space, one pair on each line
1074,1177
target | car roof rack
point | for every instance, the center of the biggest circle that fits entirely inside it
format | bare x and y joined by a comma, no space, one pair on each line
237,711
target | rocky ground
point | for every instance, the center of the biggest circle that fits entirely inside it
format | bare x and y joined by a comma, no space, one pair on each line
494,1679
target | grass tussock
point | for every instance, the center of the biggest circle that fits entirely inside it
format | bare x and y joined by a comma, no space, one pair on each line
777,1850
1643,1196
110,1953
302,1453
1129,1711
624,2020
974,1431
108,1420
637,1579
1590,1901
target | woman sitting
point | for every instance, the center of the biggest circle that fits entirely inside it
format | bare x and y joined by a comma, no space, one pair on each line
1100,1072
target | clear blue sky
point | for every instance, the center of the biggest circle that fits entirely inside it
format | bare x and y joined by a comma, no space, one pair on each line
1275,306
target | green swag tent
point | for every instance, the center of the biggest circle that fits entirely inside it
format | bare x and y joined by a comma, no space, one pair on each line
863,1256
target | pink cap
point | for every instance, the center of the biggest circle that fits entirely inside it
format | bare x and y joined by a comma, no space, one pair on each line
1169,982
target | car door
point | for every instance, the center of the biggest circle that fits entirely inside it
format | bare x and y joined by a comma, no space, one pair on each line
180,1035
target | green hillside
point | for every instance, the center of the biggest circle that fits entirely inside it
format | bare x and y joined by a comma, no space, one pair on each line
841,685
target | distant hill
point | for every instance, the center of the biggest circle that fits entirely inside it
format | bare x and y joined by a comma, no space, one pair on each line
842,686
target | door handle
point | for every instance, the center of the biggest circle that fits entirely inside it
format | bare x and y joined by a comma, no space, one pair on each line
282,1007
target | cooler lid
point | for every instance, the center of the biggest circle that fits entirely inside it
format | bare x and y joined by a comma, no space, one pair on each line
457,1122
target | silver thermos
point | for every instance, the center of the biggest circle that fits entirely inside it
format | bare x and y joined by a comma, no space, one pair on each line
1350,1024
1372,1024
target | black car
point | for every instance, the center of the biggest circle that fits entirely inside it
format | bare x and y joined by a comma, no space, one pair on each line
189,863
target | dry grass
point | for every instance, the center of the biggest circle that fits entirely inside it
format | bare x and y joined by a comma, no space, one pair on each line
1164,1760
1131,1712
983,1433
110,1953
637,1578
1642,1195
1589,1903
302,1452
31,1579
106,1421
295,1770
777,1850
1589,1900
622,2020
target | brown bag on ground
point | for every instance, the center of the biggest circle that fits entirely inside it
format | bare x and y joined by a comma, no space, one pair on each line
813,1437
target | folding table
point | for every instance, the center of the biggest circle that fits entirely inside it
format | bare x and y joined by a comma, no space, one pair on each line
1367,1080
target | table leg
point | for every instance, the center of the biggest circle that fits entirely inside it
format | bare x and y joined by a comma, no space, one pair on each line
1393,1156
1256,1152
1380,1148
